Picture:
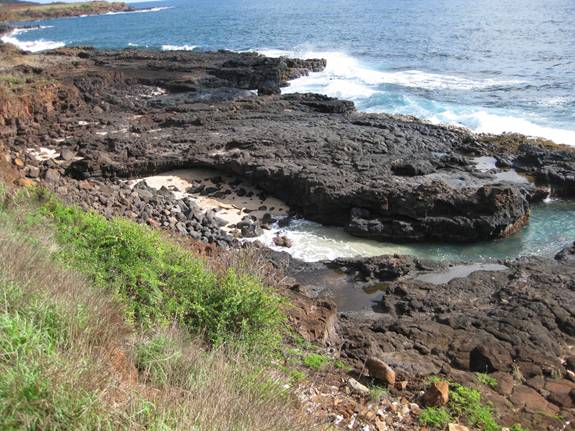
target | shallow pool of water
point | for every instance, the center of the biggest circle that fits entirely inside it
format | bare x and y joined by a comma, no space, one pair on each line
551,228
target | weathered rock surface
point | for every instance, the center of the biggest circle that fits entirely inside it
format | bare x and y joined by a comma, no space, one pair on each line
132,113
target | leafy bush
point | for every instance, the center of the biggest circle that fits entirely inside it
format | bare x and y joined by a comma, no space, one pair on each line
437,417
466,402
161,283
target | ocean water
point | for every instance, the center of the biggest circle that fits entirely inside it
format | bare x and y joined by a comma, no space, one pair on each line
490,65
552,227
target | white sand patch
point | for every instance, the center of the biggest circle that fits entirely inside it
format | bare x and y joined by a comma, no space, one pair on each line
42,154
230,207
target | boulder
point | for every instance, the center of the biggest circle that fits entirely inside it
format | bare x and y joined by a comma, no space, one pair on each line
380,370
357,387
436,394
490,357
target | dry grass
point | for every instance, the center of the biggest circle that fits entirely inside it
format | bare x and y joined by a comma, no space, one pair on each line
70,362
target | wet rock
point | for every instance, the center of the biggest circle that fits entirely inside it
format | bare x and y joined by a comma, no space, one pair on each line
282,241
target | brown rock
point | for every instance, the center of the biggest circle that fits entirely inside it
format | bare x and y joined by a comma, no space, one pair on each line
504,383
559,392
490,357
24,182
457,427
153,222
282,241
536,382
380,370
437,394
524,397
315,320
52,175
570,363
401,385
18,163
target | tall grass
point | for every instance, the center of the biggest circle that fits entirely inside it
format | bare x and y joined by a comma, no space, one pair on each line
161,283
70,360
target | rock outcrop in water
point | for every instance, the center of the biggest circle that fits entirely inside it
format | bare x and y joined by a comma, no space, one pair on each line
380,177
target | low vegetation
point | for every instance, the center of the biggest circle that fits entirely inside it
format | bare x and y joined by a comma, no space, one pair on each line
25,11
94,333
486,380
465,406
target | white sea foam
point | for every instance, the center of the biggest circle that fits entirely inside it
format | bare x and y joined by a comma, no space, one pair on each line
152,9
178,47
313,242
345,77
32,45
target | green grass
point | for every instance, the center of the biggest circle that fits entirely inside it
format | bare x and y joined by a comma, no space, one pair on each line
160,283
517,427
316,361
466,403
76,354
437,417
486,380
376,393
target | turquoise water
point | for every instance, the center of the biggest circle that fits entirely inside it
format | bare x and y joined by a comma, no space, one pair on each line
552,227
491,65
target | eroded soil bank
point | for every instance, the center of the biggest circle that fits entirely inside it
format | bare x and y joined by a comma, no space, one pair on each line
89,123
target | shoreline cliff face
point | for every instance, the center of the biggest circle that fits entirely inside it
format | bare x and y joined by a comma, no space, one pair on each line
106,117
11,12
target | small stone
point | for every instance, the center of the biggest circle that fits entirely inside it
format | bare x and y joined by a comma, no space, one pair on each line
18,163
282,241
437,394
401,385
457,427
52,175
380,370
357,387
33,172
66,155
24,182
153,222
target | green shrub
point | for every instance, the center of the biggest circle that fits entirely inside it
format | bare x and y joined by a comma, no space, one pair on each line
437,417
161,283
466,402
486,380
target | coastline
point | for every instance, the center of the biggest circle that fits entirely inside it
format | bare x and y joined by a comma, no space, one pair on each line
14,12
378,176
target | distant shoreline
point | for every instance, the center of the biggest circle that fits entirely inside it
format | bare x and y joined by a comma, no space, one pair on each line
14,12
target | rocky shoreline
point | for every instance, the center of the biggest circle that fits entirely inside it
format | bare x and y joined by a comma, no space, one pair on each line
29,11
84,122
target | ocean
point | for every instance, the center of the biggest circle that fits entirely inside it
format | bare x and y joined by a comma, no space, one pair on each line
489,65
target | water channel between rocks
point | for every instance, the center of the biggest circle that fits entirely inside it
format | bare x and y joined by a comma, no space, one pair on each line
551,226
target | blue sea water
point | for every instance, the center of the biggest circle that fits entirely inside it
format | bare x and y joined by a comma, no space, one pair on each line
490,65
